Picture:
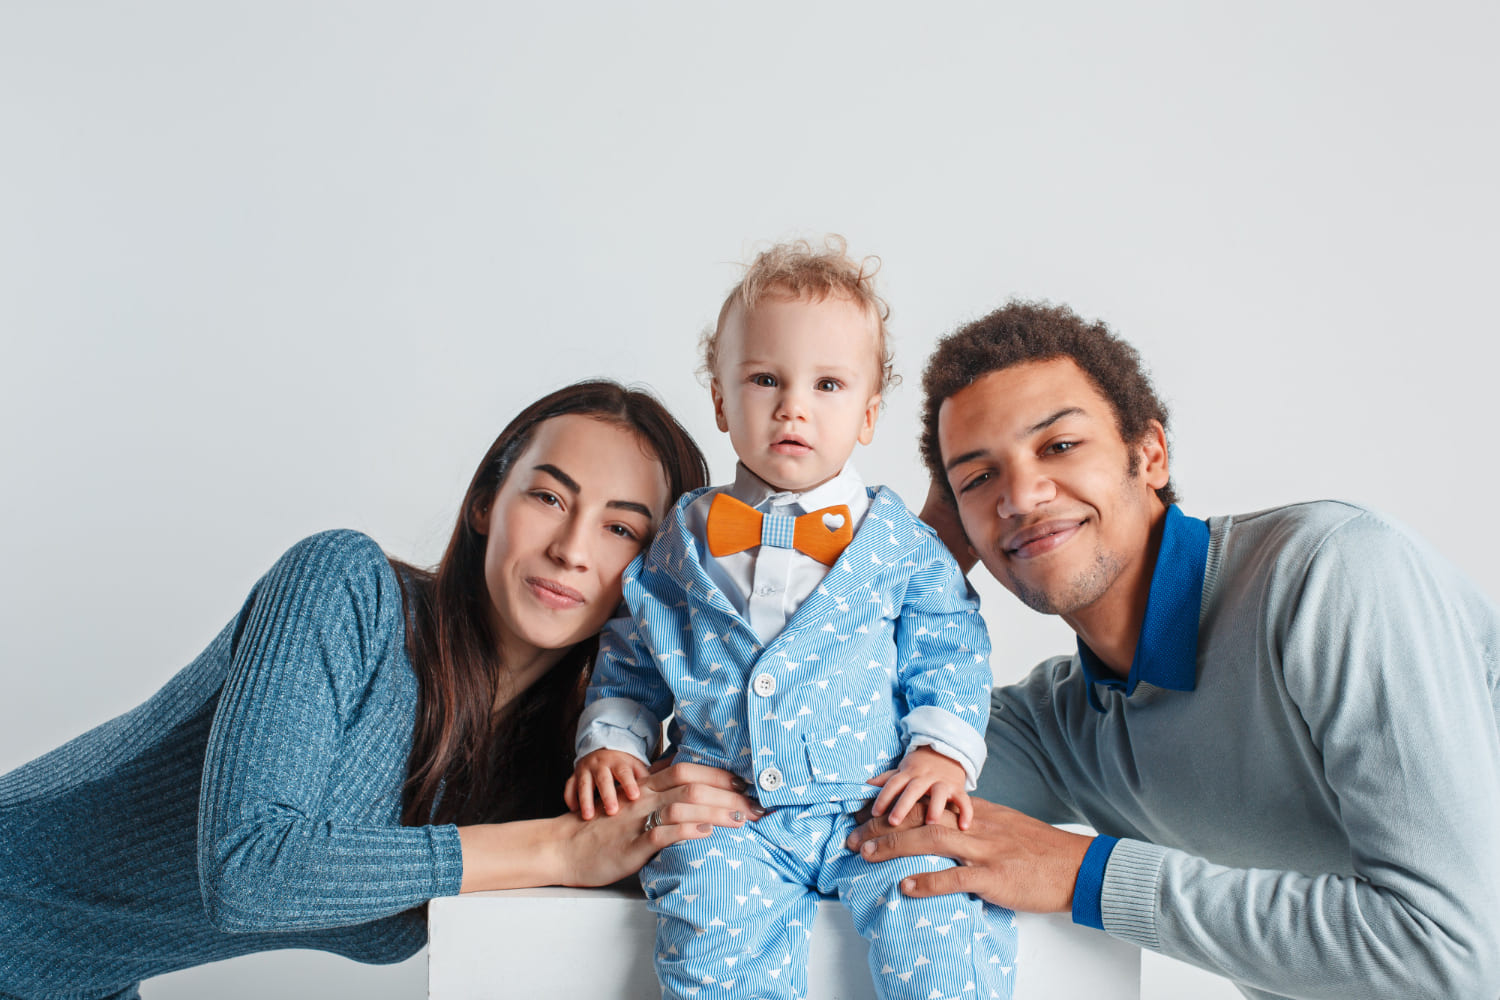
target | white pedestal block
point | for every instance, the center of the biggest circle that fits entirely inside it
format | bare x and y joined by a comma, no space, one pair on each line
597,943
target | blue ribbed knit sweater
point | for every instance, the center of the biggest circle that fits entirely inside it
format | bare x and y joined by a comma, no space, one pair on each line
253,803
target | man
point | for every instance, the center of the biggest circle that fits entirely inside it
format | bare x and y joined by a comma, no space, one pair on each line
1282,724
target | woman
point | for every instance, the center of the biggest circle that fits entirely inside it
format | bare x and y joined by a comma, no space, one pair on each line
363,736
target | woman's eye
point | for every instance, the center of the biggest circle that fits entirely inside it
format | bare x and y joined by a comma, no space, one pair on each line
623,532
764,381
829,385
547,497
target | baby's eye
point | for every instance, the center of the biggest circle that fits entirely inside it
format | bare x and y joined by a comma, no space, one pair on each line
764,381
829,385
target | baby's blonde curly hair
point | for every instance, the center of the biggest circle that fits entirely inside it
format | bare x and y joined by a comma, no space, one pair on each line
797,270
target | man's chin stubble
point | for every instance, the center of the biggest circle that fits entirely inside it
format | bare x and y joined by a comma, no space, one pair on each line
1080,592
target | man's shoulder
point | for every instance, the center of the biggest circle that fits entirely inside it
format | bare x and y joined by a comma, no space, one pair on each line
1290,536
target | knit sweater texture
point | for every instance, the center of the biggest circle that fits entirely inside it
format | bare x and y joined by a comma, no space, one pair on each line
253,803
1316,817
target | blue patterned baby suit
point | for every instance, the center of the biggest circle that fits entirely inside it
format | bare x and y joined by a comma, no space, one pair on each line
890,645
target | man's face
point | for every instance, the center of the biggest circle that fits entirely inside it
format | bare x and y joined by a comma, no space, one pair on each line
1044,483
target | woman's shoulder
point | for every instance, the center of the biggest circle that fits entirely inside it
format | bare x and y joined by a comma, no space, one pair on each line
340,553
332,571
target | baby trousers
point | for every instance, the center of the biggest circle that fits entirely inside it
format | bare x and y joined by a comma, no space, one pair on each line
734,914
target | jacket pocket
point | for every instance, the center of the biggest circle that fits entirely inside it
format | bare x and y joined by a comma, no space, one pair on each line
850,757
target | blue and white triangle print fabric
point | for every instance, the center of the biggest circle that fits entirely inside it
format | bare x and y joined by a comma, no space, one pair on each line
735,915
889,651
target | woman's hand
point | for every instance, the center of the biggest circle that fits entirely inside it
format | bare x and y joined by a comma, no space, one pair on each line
689,801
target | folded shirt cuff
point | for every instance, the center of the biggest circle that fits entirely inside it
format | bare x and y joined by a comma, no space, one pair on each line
1088,890
617,724
928,726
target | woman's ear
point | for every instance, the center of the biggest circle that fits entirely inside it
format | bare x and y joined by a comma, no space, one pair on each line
479,518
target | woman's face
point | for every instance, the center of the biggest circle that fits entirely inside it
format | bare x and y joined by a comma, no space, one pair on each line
579,504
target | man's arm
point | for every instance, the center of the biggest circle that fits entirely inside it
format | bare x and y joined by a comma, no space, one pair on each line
1389,671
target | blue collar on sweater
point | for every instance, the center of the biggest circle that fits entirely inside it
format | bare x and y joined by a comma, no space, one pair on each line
1166,654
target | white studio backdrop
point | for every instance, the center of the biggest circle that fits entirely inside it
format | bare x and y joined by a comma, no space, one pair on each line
269,268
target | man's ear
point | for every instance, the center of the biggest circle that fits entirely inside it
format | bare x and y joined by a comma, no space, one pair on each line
1155,465
872,414
718,397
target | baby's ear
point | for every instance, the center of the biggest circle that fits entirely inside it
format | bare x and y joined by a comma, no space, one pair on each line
872,414
718,397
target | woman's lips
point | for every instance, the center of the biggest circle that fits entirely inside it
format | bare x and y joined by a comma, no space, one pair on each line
554,594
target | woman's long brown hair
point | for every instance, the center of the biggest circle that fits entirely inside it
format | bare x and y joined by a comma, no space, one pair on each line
466,765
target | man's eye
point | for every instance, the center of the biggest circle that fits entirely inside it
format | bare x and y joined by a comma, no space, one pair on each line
764,381
978,480
1057,447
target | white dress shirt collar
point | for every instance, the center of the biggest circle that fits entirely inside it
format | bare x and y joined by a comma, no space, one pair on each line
847,488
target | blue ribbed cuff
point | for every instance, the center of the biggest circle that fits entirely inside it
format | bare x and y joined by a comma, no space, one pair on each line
1089,888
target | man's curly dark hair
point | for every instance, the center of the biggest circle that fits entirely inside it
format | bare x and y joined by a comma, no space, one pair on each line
1020,332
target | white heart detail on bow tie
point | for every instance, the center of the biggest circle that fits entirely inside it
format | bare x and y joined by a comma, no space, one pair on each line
833,522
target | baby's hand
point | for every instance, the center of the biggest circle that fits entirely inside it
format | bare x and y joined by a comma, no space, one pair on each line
599,772
924,772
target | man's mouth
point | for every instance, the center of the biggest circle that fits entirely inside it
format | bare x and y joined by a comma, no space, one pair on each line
1039,539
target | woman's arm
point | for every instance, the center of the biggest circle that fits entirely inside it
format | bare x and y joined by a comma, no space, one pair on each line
690,801
298,822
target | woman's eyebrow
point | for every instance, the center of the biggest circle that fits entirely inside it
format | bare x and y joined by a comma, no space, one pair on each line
631,505
560,476
572,485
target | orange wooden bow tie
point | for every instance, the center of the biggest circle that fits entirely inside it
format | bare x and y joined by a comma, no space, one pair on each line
734,526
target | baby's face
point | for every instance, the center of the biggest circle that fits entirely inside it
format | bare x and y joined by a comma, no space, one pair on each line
796,386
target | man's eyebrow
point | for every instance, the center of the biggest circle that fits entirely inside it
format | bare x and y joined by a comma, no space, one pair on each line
1043,424
1040,425
572,485
967,456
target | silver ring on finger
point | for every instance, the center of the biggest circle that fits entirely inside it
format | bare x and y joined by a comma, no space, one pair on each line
652,821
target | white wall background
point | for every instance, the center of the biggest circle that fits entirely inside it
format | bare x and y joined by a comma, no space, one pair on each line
273,267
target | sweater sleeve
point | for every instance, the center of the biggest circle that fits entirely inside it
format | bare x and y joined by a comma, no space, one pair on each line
1386,656
943,658
276,847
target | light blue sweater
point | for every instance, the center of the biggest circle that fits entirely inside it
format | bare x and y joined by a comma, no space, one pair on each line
253,803
1313,812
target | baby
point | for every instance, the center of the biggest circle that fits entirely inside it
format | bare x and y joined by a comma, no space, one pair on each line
813,637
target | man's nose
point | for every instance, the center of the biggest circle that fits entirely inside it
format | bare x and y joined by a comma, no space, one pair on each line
1023,489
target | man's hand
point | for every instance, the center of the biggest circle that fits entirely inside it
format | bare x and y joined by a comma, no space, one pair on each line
599,772
924,772
1006,857
941,516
